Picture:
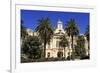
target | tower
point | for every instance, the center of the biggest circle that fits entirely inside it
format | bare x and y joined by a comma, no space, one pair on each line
59,25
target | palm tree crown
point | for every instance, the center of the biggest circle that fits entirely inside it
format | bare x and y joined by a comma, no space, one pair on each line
72,28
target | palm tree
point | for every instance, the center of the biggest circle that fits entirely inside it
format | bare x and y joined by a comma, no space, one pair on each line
45,31
72,30
63,43
23,30
23,35
87,33
80,49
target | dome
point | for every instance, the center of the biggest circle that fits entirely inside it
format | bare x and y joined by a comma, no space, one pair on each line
59,21
59,27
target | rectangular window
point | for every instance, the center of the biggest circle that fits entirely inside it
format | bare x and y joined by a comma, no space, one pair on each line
57,44
49,45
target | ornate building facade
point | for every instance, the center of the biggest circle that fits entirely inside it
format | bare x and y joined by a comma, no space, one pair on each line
53,49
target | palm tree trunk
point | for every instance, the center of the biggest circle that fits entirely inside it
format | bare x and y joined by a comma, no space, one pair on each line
72,49
64,53
69,54
45,45
88,48
44,49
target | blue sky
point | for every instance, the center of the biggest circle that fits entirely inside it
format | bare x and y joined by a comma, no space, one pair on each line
31,17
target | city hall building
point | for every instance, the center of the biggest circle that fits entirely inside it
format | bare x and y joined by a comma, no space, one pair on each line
53,49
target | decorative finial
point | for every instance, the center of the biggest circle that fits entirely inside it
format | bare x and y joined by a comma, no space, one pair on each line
59,24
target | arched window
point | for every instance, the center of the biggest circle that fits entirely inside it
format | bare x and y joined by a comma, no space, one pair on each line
48,54
60,54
